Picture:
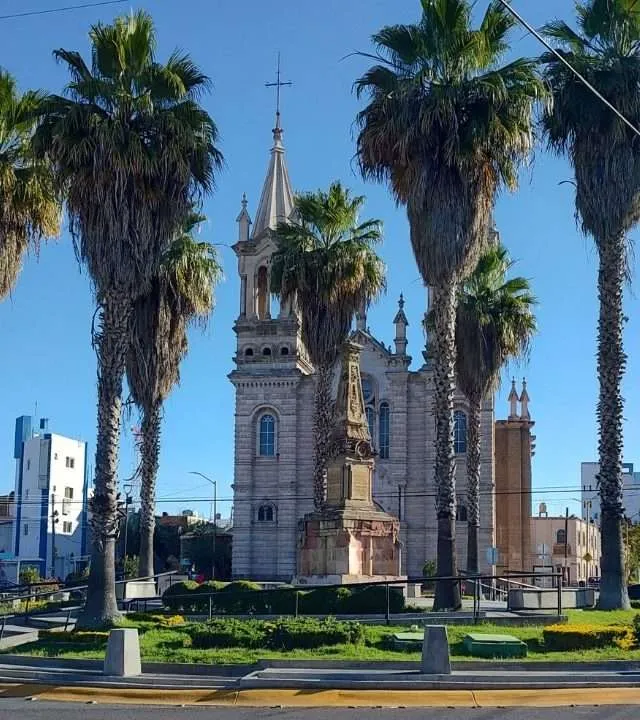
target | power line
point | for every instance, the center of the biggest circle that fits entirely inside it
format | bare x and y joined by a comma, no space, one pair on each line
565,62
31,13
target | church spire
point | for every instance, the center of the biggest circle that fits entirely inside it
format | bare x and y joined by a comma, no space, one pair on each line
401,323
276,200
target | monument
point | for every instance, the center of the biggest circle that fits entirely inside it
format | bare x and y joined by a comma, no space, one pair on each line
350,539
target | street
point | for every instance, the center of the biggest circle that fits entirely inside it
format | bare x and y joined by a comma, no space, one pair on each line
28,710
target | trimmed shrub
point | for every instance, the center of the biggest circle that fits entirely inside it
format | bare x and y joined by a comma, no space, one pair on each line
155,618
586,637
172,596
373,599
228,633
289,634
324,601
281,600
201,593
284,634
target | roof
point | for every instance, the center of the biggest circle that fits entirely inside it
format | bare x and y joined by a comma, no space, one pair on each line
277,200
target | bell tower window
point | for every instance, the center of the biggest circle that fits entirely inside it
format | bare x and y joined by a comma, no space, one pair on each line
263,293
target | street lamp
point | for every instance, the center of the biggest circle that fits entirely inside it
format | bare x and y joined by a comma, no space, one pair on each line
215,508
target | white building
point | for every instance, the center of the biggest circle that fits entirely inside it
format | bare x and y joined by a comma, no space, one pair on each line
7,531
50,499
591,498
274,383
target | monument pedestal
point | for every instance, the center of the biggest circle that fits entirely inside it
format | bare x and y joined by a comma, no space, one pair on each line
349,540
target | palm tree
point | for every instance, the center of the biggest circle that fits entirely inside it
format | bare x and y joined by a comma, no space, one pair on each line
494,324
325,263
181,293
447,127
605,156
131,146
29,210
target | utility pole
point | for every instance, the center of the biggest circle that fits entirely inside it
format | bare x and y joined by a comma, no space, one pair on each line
54,522
566,545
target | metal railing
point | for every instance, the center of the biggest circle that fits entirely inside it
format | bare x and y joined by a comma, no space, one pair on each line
32,597
204,599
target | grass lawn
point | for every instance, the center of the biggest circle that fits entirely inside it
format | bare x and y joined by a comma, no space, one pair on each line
172,645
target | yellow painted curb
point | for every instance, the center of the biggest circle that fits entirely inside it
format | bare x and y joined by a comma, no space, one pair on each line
328,698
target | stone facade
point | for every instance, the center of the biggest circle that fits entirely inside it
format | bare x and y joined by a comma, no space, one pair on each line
274,381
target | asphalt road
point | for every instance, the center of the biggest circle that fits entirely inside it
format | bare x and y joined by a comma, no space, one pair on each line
27,710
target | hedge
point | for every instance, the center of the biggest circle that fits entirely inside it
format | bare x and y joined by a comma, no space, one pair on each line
283,634
89,637
586,637
242,597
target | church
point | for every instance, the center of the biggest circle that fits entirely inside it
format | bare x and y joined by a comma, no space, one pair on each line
274,387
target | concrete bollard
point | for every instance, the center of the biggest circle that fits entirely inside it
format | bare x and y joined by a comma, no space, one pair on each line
435,651
123,653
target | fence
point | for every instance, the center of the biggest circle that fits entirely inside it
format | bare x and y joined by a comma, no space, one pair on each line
286,600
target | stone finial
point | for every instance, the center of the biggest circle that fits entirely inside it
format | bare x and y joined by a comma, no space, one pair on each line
524,402
401,323
243,220
351,430
513,401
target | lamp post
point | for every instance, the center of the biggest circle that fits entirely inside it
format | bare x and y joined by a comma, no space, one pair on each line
215,508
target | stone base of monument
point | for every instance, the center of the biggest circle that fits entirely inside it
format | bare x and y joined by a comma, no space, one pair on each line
348,545
123,654
435,651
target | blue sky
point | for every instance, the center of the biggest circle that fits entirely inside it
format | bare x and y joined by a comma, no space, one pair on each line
45,325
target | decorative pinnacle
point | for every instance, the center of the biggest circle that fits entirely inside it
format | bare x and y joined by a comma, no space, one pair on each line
244,201
401,301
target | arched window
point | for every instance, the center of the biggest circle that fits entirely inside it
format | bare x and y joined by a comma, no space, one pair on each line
266,513
371,420
461,513
384,430
266,351
459,432
263,293
367,388
267,445
561,537
248,352
284,350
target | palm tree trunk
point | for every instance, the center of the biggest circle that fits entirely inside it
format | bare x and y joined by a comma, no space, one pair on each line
111,344
611,364
150,452
473,484
447,595
322,419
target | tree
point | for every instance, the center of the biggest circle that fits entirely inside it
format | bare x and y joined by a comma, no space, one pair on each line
181,293
131,148
605,155
29,210
447,127
325,264
494,324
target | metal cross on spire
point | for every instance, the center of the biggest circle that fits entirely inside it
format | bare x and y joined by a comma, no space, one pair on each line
277,85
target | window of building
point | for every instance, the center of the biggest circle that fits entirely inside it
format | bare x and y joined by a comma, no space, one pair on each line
284,350
266,351
248,352
25,529
70,462
371,420
461,513
367,388
29,464
263,293
266,513
561,537
267,445
66,527
459,432
384,430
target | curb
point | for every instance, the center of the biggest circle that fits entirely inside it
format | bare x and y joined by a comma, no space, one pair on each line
327,698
